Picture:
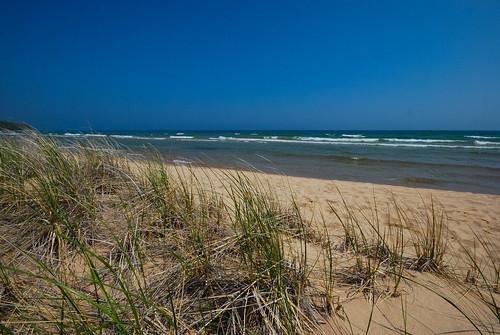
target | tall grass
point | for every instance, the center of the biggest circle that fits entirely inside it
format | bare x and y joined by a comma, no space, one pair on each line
486,270
329,273
430,239
51,193
379,249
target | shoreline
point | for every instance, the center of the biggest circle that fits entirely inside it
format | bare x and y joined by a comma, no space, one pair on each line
464,209
420,183
454,170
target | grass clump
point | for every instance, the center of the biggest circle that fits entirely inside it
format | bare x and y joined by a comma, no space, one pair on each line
51,193
430,239
484,274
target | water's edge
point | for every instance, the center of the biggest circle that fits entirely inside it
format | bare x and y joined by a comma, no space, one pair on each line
449,160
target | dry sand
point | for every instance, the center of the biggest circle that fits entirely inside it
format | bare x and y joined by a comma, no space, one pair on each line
427,312
466,212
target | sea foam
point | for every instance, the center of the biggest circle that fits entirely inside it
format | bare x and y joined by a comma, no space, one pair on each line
329,139
349,141
138,137
180,137
482,137
417,140
95,135
486,143
181,161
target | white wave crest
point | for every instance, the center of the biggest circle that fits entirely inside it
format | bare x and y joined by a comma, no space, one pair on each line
353,135
138,137
181,161
482,137
328,139
345,141
418,140
95,135
180,137
486,143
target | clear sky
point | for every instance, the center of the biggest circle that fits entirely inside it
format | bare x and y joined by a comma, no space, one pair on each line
251,64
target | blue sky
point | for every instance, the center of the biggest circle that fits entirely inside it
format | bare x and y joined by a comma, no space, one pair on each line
251,64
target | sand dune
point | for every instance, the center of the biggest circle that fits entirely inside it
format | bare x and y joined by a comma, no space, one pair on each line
427,311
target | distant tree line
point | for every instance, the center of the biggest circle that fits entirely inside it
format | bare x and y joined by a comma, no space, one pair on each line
16,126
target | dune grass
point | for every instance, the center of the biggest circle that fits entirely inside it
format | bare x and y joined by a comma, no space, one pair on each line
92,242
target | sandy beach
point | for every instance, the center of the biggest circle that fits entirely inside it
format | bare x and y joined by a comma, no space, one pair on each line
466,214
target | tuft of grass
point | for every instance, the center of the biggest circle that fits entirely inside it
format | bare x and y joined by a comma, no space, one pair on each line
278,283
52,193
485,274
329,273
430,240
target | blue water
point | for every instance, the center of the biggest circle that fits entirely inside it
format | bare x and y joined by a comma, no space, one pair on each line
456,160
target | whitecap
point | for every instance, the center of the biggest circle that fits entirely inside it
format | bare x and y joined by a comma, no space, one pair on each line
181,137
486,143
95,135
138,137
328,139
416,140
181,161
482,137
346,141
